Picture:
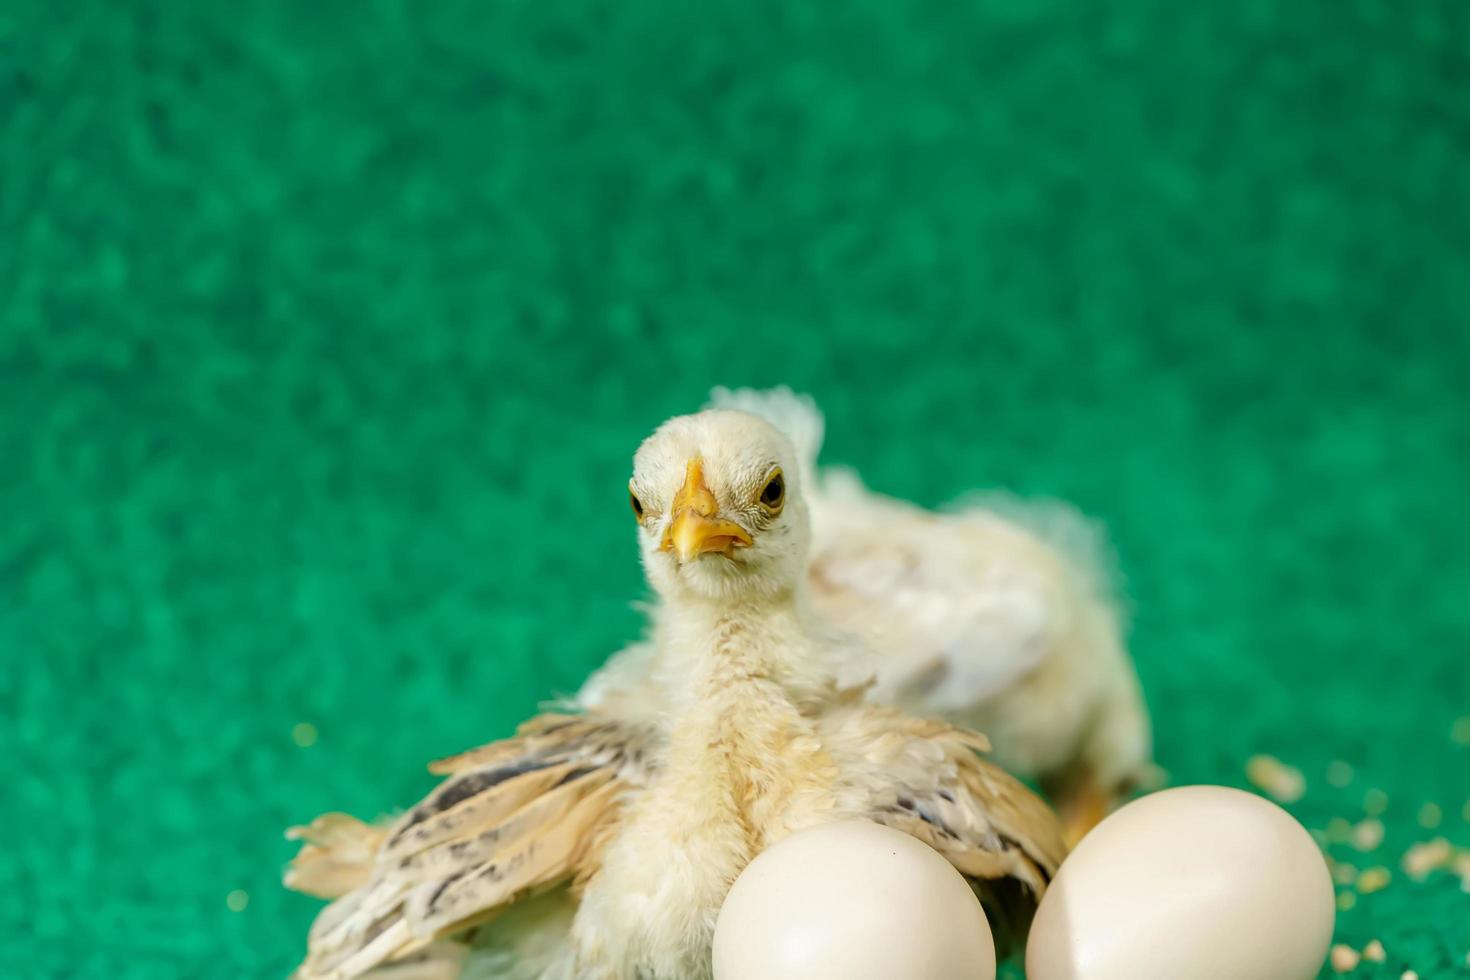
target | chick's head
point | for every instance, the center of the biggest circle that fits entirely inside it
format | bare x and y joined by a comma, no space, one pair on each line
720,514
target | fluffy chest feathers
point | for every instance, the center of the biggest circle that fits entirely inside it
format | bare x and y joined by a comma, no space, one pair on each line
748,746
745,764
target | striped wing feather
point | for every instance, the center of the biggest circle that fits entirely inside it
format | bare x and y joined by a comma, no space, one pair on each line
513,818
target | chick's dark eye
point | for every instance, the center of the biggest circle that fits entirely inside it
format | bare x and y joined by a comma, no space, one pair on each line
774,491
637,505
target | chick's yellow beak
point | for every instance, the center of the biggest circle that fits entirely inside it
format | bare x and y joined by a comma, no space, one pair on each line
695,531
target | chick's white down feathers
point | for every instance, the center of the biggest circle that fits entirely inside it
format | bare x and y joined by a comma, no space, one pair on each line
995,614
600,845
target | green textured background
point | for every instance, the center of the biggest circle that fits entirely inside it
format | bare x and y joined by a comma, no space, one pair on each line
326,332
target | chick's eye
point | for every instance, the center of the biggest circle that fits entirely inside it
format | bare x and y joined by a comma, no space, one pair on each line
637,504
774,491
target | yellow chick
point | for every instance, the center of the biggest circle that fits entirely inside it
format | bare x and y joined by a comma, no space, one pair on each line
632,819
993,615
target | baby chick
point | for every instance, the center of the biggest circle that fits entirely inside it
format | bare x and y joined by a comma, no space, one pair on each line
993,616
650,808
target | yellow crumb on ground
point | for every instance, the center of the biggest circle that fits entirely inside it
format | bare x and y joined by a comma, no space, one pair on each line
1430,816
236,900
1375,801
1344,958
1368,835
1425,857
1344,874
1339,773
1374,953
1374,879
1465,812
1347,900
1408,975
1460,730
1339,831
304,734
1282,782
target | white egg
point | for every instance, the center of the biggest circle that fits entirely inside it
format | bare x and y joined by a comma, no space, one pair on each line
852,901
1195,883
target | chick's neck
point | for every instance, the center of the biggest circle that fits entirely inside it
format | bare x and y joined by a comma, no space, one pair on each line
715,648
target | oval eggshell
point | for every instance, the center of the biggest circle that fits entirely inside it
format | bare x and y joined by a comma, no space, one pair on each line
852,901
1194,883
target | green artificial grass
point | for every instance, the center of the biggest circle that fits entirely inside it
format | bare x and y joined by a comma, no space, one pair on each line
327,331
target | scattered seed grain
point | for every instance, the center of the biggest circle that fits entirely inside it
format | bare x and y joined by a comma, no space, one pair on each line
1368,835
1427,856
1375,879
1283,783
1344,958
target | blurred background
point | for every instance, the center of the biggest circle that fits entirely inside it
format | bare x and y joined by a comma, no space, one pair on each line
327,331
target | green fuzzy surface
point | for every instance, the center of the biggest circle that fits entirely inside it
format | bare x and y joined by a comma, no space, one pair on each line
327,331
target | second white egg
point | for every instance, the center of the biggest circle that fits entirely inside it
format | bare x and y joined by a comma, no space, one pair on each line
1195,883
